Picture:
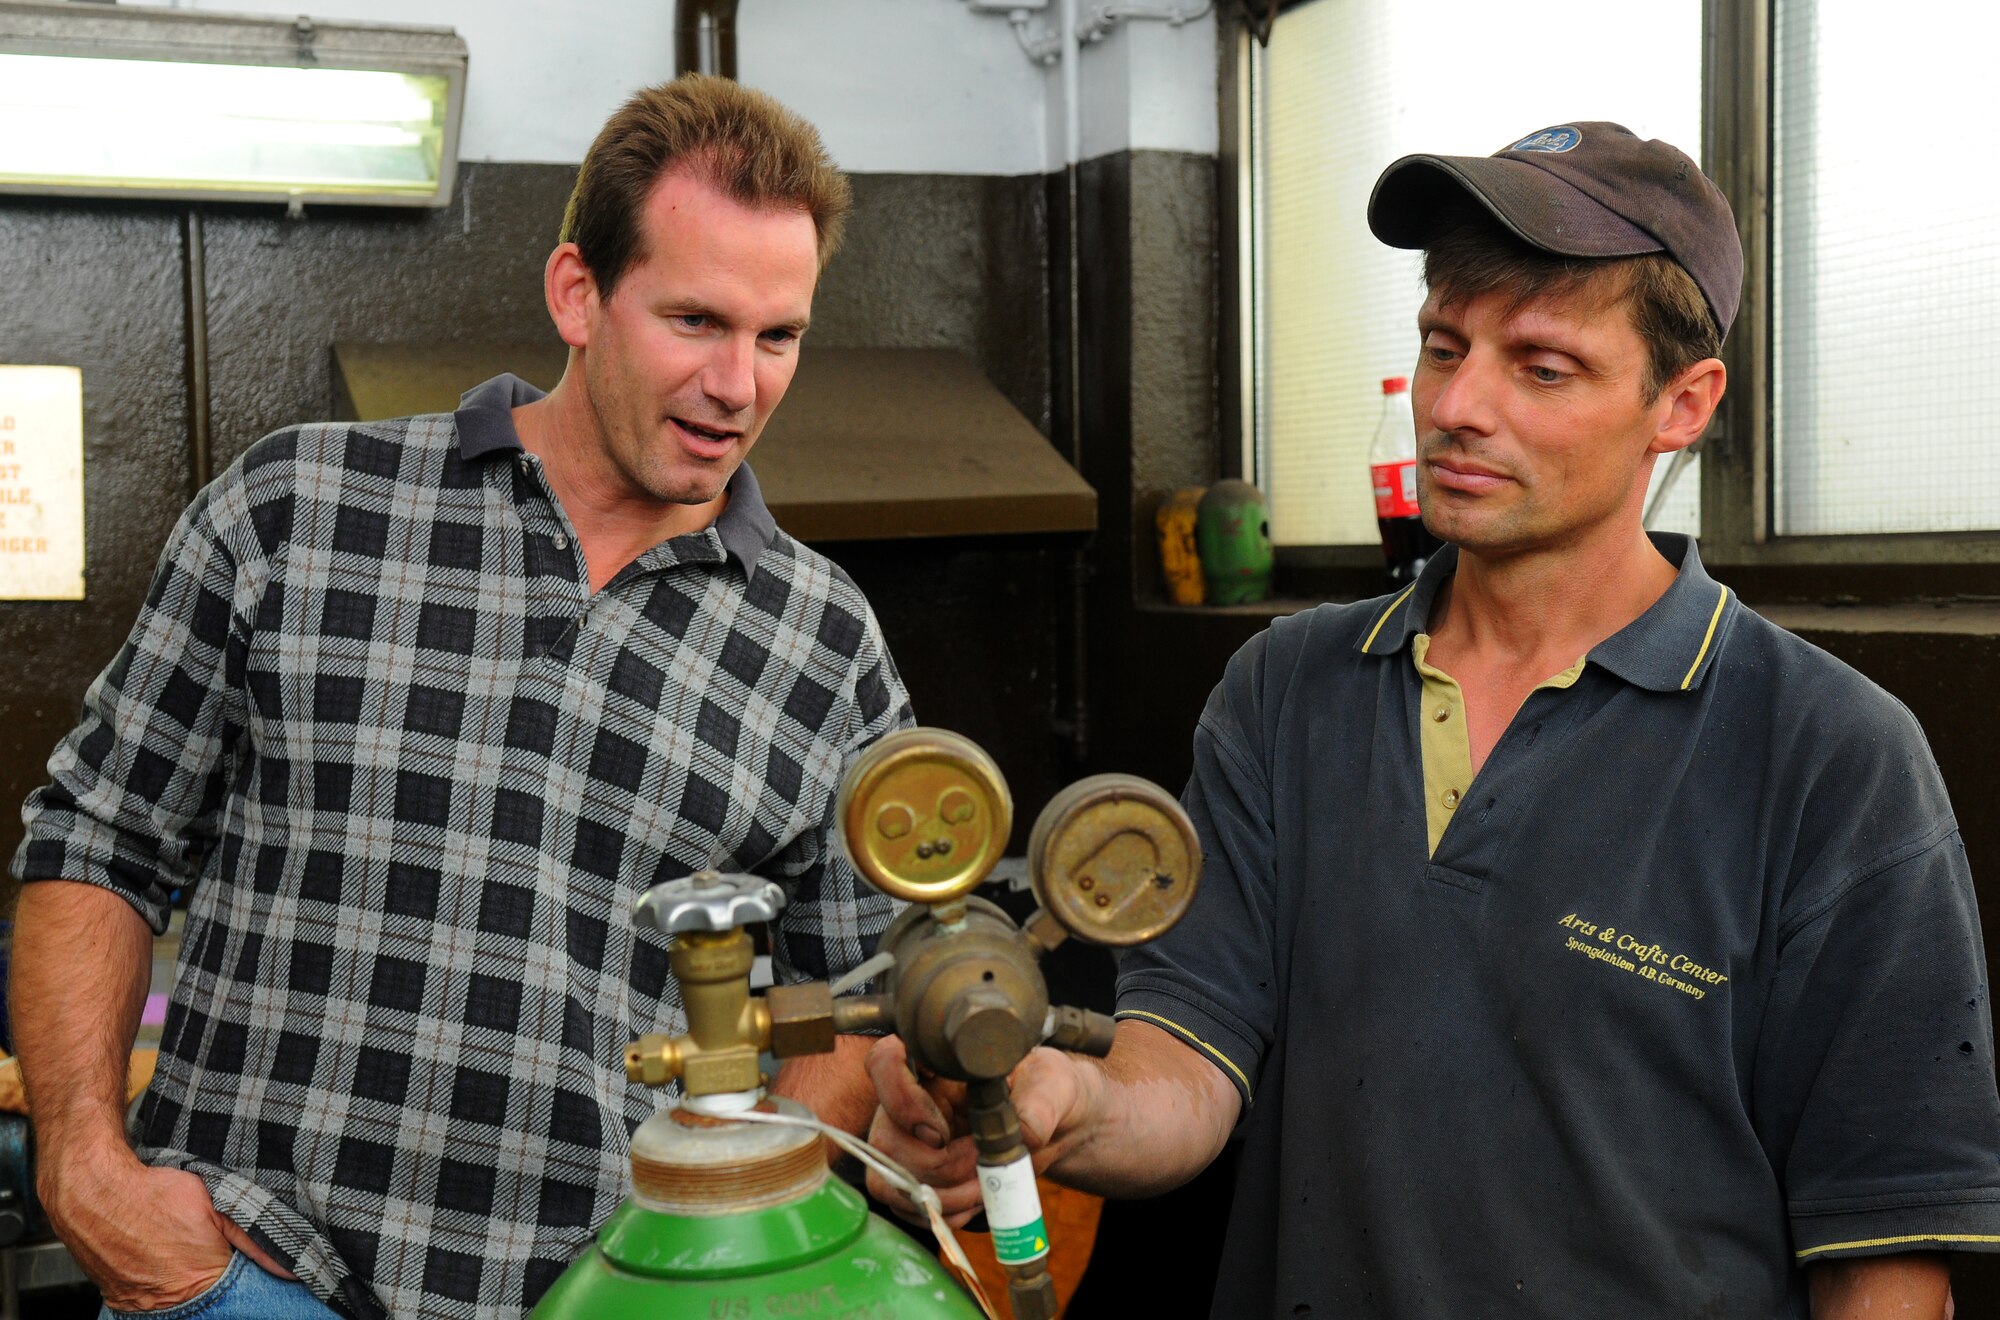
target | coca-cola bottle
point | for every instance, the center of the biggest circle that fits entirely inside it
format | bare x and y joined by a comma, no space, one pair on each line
1392,463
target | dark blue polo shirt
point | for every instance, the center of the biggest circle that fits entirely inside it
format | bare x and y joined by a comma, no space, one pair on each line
1690,993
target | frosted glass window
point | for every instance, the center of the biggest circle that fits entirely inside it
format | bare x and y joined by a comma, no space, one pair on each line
1886,269
1347,86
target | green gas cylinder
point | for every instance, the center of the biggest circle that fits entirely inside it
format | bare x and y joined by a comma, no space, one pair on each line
733,1221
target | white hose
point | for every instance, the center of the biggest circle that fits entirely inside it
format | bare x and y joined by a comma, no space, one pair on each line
881,962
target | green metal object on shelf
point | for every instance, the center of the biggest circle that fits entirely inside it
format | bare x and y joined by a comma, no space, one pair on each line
1233,534
823,1254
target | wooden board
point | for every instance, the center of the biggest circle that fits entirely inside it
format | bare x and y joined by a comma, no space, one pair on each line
870,443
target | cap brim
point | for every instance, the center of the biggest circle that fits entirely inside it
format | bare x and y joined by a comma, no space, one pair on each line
1543,210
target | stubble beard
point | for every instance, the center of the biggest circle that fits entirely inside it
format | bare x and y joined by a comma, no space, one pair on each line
682,480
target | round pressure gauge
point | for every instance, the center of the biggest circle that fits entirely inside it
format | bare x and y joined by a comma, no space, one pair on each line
924,815
1114,859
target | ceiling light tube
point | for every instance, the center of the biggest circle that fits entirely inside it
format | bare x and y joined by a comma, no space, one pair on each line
131,101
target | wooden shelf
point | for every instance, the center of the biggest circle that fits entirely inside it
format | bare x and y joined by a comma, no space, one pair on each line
869,444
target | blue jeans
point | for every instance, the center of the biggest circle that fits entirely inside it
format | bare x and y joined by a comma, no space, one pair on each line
244,1292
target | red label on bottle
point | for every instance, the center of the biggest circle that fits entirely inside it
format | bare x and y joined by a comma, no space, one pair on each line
1395,489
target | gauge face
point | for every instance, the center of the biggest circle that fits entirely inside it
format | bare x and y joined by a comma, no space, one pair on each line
924,815
1114,859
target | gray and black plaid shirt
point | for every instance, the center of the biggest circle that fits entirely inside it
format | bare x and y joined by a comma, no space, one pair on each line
416,775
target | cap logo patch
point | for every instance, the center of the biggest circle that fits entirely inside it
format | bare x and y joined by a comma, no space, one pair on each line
1551,139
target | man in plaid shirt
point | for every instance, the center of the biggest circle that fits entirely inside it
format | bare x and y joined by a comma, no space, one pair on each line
418,708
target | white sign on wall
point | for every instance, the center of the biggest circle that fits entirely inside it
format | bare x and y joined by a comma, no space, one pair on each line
41,483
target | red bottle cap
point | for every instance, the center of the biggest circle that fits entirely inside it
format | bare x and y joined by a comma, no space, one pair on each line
1395,384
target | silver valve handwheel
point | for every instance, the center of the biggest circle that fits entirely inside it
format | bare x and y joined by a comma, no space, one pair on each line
709,900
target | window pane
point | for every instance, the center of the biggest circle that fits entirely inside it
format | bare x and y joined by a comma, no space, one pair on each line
1346,87
1886,270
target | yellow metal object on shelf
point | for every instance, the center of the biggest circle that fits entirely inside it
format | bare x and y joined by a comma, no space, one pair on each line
1180,561
924,815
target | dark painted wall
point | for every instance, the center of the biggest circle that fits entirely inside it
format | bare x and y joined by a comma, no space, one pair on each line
280,292
978,626
947,261
1149,407
96,286
929,262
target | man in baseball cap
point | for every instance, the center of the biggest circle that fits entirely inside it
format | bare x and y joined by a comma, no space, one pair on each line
1570,940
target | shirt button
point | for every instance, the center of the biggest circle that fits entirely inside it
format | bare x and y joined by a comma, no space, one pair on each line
1451,797
1441,714
562,542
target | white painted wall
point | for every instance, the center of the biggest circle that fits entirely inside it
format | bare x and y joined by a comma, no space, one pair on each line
1148,86
895,86
900,86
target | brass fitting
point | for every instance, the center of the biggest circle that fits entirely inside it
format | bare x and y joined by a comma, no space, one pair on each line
716,1072
1081,1031
988,1033
801,1018
864,1013
1043,931
653,1060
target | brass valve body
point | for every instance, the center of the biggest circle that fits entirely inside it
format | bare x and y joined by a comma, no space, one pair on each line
728,1027
970,999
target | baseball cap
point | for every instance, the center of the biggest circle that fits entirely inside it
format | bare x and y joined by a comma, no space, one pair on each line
1584,189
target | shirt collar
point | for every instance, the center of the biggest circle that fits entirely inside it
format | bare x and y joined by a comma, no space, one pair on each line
485,420
485,416
1406,613
746,527
1669,648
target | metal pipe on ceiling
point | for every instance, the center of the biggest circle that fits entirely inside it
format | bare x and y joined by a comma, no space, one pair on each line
1070,55
705,37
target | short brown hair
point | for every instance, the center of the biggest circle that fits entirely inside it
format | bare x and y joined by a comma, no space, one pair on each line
740,141
1469,254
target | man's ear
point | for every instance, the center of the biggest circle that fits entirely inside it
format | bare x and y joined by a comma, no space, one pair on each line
1687,403
571,292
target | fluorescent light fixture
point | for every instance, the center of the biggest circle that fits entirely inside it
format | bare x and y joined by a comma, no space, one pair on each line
130,101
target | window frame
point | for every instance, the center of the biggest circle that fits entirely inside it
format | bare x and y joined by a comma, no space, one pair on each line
1736,486
1737,516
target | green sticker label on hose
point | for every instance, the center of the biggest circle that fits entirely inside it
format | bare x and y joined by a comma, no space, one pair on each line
1018,1246
1014,1212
